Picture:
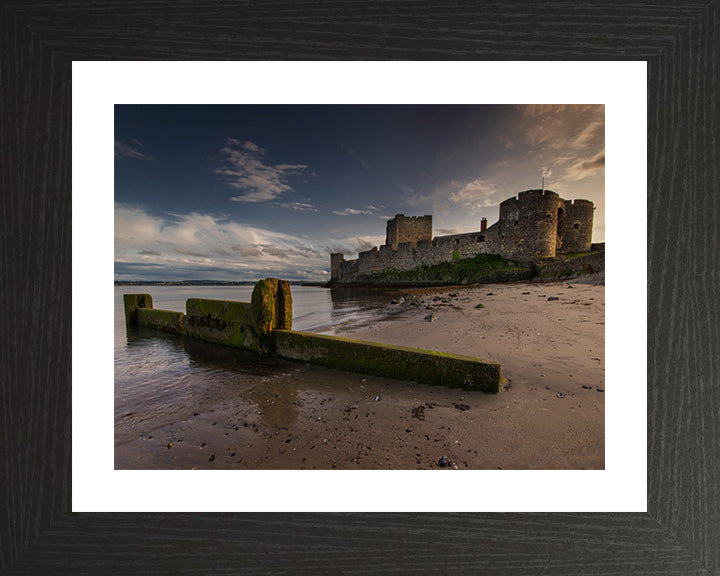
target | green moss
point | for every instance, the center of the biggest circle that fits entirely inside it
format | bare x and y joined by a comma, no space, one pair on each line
222,321
480,268
263,304
401,362
228,311
165,320
571,255
478,306
132,303
271,304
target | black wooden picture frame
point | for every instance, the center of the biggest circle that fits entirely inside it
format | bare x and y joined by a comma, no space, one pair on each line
680,533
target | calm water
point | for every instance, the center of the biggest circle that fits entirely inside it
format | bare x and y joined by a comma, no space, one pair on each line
160,378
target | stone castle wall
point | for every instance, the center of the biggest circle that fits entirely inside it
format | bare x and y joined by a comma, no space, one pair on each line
534,225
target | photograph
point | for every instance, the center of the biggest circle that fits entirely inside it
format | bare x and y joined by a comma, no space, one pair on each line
359,287
341,236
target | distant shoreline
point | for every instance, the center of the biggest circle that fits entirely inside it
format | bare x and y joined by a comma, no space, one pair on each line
205,283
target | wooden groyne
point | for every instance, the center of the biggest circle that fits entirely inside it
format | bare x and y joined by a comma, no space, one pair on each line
264,325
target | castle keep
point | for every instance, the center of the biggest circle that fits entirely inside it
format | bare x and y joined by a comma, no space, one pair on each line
536,224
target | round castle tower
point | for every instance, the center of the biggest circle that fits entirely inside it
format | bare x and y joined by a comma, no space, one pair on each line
529,224
575,226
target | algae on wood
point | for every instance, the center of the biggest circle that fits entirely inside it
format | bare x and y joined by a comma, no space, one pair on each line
132,302
271,304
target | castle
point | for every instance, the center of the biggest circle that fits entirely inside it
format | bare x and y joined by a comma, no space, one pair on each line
534,225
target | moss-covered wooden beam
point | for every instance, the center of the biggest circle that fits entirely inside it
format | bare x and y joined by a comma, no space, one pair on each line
264,326
399,362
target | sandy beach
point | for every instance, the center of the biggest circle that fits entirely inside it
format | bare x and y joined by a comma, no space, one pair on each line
549,338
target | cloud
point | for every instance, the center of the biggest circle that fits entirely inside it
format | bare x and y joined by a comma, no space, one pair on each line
447,231
586,167
569,128
541,110
242,166
468,196
354,154
194,245
350,246
351,212
588,134
477,192
190,253
131,151
304,206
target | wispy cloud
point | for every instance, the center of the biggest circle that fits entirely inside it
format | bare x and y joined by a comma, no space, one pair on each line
304,206
352,212
477,193
351,245
199,244
130,151
447,231
565,143
466,196
243,167
586,167
356,156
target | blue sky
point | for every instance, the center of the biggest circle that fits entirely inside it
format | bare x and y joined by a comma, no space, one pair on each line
242,192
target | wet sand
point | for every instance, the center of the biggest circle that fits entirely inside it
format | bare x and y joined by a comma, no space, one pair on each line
550,415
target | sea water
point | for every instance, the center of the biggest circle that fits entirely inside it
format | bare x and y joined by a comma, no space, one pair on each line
161,378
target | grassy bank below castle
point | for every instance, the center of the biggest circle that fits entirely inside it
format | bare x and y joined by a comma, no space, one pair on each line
479,269
486,269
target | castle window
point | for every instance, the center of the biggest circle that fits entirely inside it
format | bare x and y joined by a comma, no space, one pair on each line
481,238
548,217
457,240
516,222
576,225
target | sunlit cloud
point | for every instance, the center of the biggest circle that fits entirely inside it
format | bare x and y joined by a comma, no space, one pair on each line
351,212
559,127
350,246
130,151
242,166
304,206
198,244
447,231
478,193
586,167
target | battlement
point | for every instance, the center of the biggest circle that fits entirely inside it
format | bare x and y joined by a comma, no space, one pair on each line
536,192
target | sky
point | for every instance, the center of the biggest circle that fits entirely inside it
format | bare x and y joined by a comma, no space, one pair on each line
242,192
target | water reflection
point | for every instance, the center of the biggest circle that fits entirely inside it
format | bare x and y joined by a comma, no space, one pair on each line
162,378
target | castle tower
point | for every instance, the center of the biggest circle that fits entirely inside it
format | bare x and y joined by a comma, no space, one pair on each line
575,226
336,260
528,224
411,229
